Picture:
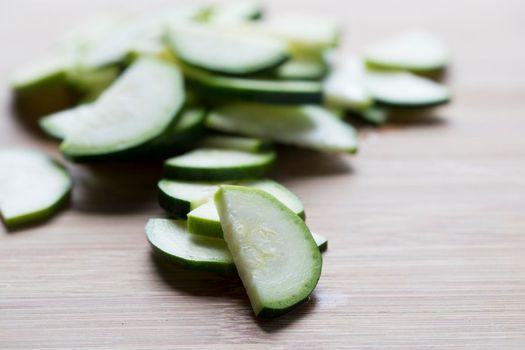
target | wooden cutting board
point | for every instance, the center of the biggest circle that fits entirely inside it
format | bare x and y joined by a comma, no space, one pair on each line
426,225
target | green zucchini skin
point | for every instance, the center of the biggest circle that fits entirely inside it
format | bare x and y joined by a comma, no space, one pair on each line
173,206
43,214
233,173
38,216
136,152
208,266
262,71
393,104
265,91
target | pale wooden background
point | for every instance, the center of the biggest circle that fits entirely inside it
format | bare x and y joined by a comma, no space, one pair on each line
426,224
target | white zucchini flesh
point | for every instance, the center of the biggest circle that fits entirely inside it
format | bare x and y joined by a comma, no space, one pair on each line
305,34
236,11
225,52
142,34
404,89
302,69
305,126
32,186
345,87
276,257
62,123
415,50
204,220
63,58
138,107
171,239
217,158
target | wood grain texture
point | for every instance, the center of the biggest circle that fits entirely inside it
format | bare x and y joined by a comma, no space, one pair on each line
426,225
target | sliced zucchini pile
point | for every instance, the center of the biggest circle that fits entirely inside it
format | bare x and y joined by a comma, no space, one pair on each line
250,227
211,90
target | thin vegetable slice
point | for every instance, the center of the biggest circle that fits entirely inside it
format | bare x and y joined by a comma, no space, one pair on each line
136,109
182,134
345,87
276,257
302,69
171,240
260,90
403,89
225,52
248,144
373,115
218,164
32,186
305,126
62,123
416,51
180,197
204,220
137,36
306,35
236,11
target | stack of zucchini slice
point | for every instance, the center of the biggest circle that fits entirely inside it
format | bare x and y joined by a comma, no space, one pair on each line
211,89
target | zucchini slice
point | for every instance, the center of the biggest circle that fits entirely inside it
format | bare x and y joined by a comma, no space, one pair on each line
276,257
204,220
45,72
302,69
218,164
236,11
32,186
171,240
373,115
225,52
404,89
136,36
305,126
182,134
260,90
416,51
178,198
247,144
345,87
306,35
136,109
60,124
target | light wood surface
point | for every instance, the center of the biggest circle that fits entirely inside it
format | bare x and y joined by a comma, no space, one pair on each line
426,225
